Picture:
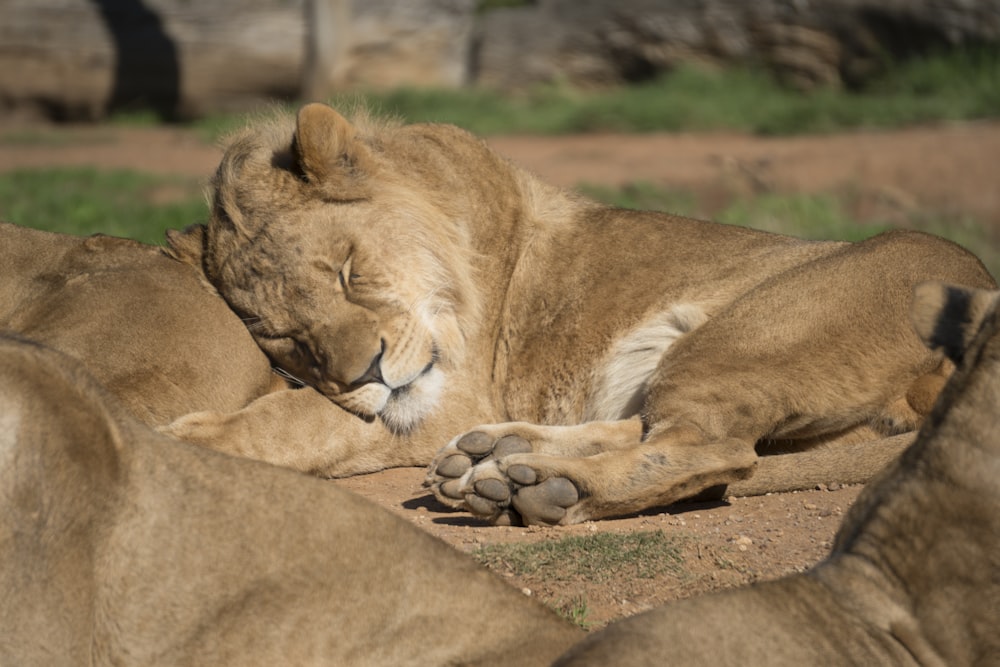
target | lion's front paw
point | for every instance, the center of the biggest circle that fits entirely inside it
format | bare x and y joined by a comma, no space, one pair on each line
458,457
499,479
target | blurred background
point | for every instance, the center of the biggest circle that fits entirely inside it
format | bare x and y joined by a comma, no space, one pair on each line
823,118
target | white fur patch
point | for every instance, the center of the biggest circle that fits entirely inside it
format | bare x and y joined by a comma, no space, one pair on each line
620,387
407,407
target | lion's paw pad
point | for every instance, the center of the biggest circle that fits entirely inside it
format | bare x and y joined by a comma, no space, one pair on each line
475,443
546,502
453,466
511,444
492,489
450,489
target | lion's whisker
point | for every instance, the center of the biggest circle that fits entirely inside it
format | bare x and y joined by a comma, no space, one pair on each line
252,323
288,376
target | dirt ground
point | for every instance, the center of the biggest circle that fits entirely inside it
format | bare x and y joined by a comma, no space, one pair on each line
950,169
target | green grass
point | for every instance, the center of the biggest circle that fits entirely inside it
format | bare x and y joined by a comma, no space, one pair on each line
76,200
574,610
957,86
599,557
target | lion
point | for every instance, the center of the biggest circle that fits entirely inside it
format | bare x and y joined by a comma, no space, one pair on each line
120,546
576,361
911,578
145,325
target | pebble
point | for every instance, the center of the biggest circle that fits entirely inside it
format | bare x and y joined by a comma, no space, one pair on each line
526,591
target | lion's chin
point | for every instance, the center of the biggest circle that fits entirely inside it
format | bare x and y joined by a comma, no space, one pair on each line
408,405
403,408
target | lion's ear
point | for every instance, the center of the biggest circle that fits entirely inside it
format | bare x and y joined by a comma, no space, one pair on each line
330,155
187,246
947,317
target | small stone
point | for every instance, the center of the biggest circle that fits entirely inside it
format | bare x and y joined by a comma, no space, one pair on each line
526,591
809,506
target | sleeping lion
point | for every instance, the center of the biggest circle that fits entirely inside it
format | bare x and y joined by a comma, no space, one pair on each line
577,361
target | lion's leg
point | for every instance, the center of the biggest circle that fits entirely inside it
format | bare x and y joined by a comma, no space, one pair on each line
515,477
299,429
813,367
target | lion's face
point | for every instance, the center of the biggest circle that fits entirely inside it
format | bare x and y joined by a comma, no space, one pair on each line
349,294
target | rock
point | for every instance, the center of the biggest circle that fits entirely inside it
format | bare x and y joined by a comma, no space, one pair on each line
78,59
808,43
412,43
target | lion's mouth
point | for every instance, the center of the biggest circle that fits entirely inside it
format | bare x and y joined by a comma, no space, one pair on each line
408,405
401,407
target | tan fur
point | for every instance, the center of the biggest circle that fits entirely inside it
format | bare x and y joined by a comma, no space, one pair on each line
144,324
912,579
422,282
119,546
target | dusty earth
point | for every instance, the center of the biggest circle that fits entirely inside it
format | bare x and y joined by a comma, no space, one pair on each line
950,169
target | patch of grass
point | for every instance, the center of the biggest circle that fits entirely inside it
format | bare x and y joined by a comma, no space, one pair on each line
76,200
575,611
599,557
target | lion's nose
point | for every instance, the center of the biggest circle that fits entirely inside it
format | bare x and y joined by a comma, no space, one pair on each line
374,371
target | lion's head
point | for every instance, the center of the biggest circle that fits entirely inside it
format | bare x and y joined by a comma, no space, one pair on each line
352,280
